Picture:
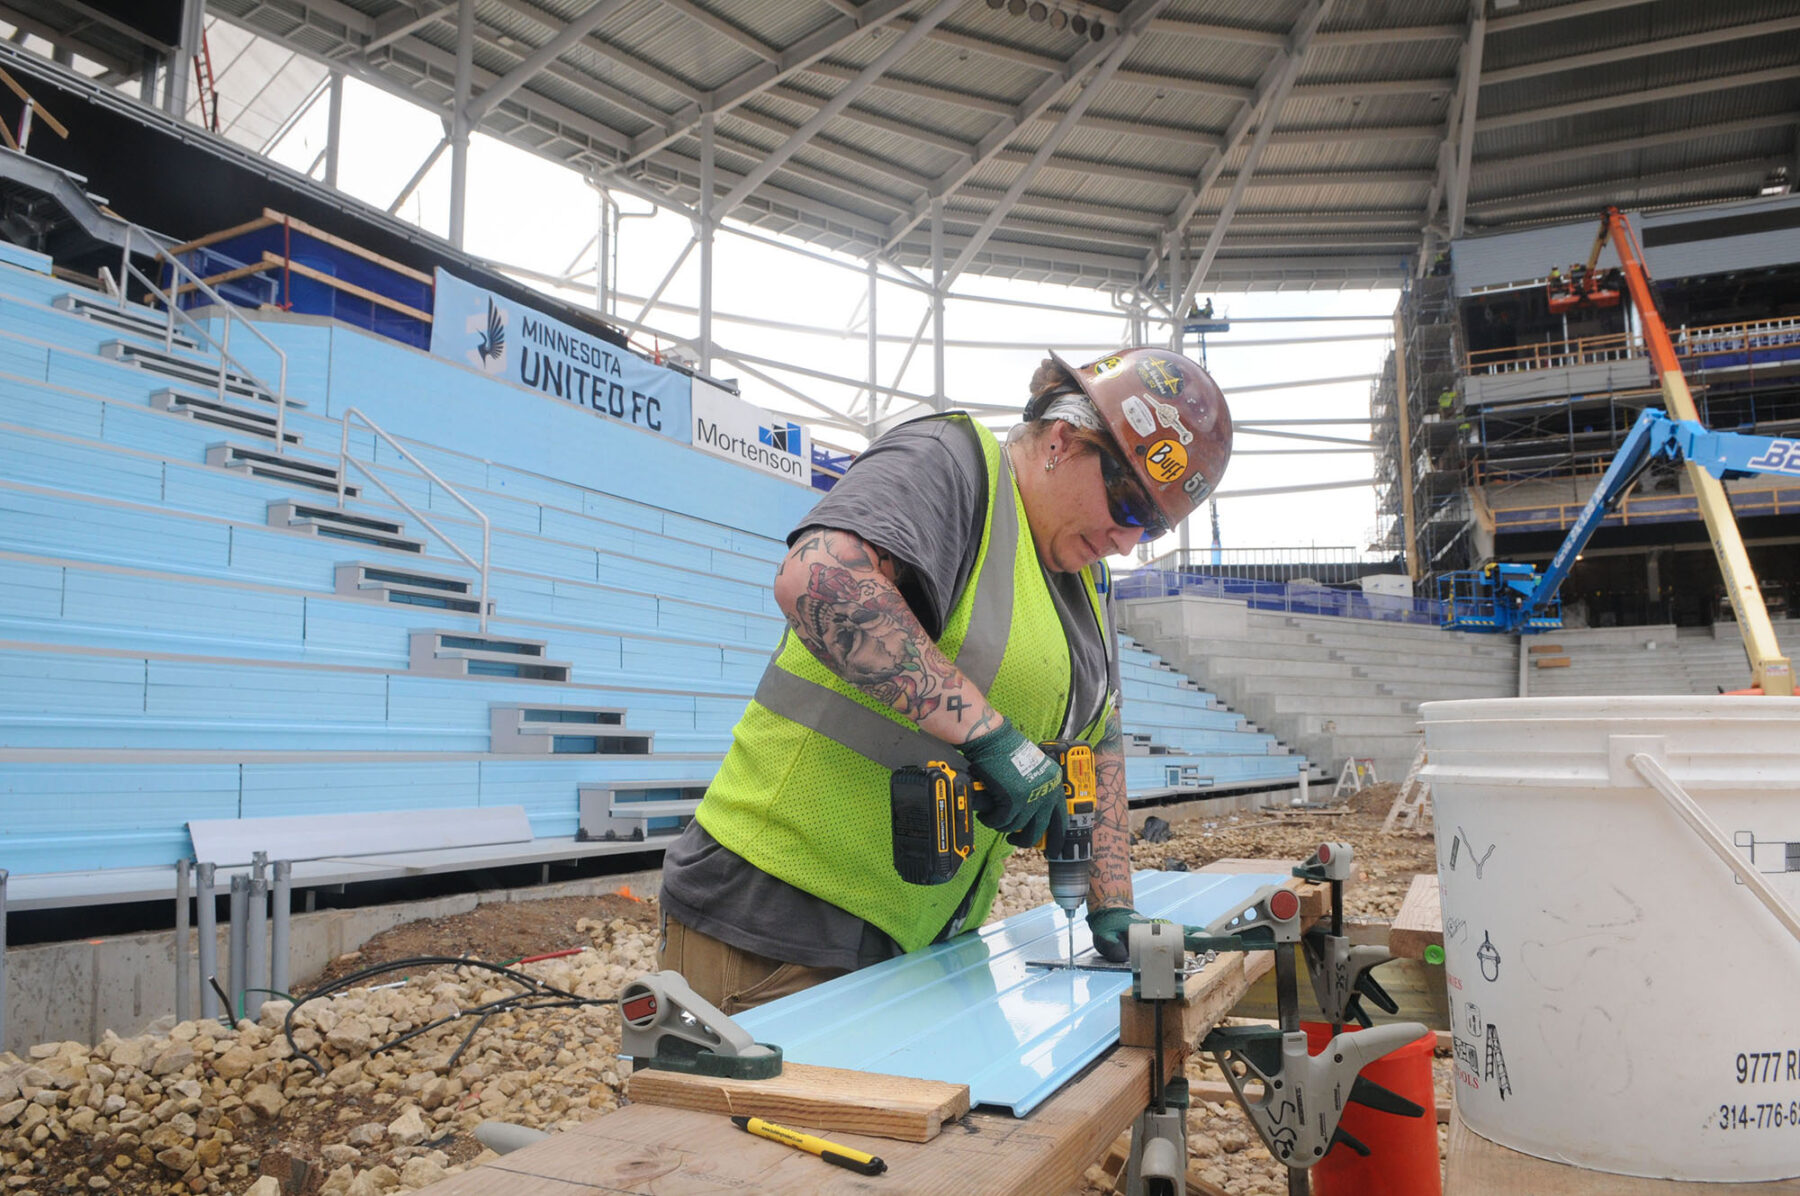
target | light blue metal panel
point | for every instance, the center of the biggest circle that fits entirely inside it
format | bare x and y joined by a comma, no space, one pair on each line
370,633
87,468
501,510
99,376
532,487
165,434
206,731
727,626
68,817
626,513
683,554
559,524
529,554
718,714
54,526
266,692
59,683
677,664
550,789
274,789
183,615
753,569
589,652
221,493
455,468
576,603
767,548
18,280
742,666
30,591
27,405
972,1012
1174,714
308,349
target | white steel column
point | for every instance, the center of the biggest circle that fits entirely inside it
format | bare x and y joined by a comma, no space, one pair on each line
1177,242
334,129
181,61
459,119
938,399
705,234
1471,98
874,380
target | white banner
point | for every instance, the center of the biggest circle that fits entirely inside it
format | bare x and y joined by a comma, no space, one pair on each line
728,427
503,339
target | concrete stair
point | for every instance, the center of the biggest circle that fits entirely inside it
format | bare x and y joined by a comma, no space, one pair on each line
1330,687
1649,660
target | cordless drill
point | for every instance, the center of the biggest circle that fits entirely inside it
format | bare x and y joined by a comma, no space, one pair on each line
933,807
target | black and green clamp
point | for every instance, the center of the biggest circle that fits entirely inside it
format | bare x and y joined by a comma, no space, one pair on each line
667,1025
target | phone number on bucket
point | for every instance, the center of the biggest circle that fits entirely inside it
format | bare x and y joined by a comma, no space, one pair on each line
1770,1115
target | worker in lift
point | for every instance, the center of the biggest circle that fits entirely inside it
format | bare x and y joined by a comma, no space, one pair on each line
944,601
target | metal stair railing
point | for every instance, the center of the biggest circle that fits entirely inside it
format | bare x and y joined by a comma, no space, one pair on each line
345,460
222,345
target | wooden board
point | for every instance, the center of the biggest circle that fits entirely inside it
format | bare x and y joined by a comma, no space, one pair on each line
304,271
1551,662
1420,922
1544,649
270,215
831,1098
647,1150
1477,1167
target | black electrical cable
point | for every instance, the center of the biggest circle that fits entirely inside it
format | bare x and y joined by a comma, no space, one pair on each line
542,996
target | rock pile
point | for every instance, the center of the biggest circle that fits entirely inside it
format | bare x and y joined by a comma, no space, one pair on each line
197,1107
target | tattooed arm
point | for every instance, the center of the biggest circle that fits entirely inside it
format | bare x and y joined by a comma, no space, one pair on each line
1110,884
839,595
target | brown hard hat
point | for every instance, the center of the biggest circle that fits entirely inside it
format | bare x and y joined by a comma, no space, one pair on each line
1168,418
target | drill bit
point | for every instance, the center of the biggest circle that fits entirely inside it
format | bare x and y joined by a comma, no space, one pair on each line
1070,919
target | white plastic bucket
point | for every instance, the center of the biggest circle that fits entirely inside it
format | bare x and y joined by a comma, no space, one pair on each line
1621,1000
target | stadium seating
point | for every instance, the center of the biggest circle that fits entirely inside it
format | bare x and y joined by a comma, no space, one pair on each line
191,627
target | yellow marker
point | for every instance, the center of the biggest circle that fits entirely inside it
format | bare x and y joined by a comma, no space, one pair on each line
831,1152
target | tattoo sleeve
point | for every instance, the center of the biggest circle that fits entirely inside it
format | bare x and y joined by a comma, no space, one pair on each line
1110,883
839,596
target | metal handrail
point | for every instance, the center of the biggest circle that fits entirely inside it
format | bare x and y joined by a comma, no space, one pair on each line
172,308
1698,340
345,460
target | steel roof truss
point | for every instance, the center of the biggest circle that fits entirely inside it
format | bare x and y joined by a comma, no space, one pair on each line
575,31
770,164
802,55
1298,42
1470,81
1116,53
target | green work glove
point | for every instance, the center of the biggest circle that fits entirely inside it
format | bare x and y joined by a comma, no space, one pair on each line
1021,784
1112,926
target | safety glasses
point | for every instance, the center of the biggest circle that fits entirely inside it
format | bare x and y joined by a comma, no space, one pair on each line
1126,501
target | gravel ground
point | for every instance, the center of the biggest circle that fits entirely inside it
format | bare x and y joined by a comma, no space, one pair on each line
200,1108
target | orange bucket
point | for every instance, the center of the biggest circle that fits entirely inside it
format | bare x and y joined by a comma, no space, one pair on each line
1403,1151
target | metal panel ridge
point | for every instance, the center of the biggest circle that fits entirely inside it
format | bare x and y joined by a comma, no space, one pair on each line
973,1012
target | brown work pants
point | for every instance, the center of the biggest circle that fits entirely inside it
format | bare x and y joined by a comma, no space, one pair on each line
731,978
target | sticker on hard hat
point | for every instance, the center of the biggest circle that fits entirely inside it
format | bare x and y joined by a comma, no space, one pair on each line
1170,418
1159,376
1106,367
1137,414
1166,461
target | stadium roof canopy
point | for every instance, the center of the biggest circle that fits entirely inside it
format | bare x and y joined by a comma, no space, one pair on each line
1273,143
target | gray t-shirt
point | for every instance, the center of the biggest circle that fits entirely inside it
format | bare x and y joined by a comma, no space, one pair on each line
919,493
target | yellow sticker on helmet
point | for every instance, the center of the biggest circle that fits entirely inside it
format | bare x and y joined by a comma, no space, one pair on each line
1166,461
1105,368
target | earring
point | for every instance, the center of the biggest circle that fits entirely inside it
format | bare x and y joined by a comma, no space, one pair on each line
1049,464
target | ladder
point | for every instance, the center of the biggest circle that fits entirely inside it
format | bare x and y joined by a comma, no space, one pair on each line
1357,774
1411,810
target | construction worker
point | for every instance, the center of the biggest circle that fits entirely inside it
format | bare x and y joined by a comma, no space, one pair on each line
1446,402
944,601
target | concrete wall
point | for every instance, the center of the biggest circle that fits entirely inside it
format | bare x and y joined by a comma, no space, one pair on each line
77,991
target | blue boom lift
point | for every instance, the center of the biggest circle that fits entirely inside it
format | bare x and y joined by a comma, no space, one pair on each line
1517,598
